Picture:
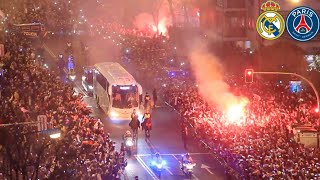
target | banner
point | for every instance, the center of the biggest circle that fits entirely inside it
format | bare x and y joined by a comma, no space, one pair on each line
30,34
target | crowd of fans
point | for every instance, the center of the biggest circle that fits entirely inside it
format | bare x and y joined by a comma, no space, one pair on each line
46,12
263,146
31,90
28,90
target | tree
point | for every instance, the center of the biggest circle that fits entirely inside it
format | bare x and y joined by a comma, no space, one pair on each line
281,56
173,16
157,4
23,153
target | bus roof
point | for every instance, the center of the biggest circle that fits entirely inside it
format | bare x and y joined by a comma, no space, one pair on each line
115,73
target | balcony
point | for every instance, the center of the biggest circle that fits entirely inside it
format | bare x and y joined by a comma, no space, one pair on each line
235,5
235,33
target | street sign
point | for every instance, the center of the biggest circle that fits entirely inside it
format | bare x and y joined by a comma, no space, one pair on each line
1,50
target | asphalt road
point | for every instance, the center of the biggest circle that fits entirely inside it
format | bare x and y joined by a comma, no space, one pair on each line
165,136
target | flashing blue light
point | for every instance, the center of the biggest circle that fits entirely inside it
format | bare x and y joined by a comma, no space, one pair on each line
295,86
70,63
172,74
153,163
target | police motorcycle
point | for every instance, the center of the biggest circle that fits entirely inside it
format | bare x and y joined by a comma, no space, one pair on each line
71,73
187,166
157,164
128,140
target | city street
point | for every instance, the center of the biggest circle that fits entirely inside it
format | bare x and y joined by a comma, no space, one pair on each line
165,136
159,90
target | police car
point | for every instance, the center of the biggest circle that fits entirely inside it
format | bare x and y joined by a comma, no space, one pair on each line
87,80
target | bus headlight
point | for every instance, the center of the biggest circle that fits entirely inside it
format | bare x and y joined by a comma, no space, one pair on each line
90,87
114,114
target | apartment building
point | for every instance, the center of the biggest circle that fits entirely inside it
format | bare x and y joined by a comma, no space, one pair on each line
234,21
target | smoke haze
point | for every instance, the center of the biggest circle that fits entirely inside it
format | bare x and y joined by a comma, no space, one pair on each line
210,78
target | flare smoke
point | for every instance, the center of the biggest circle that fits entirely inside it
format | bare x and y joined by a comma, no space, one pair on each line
210,78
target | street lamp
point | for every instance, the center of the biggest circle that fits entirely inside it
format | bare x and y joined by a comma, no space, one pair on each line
53,133
295,1
55,136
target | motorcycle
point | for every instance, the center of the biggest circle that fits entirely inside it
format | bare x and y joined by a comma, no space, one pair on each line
129,145
188,169
71,69
158,167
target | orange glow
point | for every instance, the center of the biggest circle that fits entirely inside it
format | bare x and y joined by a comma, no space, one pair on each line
162,27
154,28
236,112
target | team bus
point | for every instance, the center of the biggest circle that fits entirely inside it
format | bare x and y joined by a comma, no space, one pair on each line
116,91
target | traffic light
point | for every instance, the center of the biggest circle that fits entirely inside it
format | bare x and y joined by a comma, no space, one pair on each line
248,75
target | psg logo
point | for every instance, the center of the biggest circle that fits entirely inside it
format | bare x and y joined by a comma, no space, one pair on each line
303,24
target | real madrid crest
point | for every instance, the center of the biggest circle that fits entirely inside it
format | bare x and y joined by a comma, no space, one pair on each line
270,24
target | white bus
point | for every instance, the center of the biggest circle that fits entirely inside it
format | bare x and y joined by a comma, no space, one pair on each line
115,90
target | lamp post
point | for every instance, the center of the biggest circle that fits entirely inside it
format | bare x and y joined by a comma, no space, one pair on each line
295,1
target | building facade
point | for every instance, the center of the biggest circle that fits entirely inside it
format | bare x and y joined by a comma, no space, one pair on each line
234,21
228,20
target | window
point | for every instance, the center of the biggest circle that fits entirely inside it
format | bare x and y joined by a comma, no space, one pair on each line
101,80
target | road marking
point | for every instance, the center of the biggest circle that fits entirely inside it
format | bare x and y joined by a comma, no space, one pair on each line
49,50
203,166
175,154
53,55
176,158
167,169
147,168
152,148
80,89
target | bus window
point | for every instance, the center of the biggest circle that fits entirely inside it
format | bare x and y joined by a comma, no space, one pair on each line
101,80
89,78
125,97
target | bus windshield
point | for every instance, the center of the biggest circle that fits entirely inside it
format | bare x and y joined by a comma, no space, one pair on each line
124,97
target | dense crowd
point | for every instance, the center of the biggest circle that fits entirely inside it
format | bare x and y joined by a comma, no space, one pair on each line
28,90
263,146
46,12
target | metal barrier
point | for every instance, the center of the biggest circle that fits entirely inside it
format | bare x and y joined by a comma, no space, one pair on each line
222,162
